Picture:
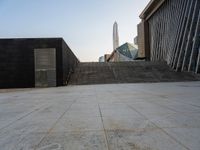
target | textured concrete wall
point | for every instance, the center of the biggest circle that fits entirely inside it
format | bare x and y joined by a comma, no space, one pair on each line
114,57
141,44
17,61
143,40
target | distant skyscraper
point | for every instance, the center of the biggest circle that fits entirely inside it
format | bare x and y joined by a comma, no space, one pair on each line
115,36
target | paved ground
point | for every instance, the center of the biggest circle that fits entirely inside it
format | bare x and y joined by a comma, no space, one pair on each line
157,116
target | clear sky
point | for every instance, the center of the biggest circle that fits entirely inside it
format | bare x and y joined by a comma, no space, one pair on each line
85,25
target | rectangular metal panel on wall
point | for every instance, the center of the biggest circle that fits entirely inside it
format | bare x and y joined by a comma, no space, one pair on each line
45,67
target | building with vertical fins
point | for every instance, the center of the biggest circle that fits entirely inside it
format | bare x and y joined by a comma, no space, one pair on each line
170,30
115,36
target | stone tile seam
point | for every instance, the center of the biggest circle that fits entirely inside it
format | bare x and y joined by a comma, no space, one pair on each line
175,101
161,105
166,133
50,130
116,129
149,93
105,132
20,118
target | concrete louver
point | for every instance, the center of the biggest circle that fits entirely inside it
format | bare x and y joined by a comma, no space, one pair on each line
174,33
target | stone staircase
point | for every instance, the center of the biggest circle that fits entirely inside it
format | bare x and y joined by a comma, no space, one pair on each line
127,72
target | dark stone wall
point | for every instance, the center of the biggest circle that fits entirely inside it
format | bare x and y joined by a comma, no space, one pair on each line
70,61
17,61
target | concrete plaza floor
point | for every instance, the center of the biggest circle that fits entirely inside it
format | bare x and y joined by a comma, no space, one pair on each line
151,116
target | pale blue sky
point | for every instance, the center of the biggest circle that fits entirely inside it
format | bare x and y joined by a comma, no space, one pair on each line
85,25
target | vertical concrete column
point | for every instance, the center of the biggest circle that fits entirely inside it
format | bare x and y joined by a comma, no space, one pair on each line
143,40
195,47
194,24
180,22
198,63
185,36
181,31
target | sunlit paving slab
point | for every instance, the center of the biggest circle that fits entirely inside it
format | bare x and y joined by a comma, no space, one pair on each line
150,116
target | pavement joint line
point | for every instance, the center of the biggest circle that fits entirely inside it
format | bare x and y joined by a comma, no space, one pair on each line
164,106
120,129
20,118
175,101
148,128
174,109
162,129
105,132
193,105
74,131
149,93
49,131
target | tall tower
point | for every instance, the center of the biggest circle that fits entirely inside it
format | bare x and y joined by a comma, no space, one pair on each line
115,36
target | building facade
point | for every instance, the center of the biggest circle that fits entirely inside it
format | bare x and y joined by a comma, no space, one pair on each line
39,62
101,59
170,31
125,52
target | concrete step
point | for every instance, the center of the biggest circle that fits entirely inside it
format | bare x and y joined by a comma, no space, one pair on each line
127,72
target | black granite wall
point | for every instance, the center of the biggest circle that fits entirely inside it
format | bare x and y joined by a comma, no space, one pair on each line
17,61
69,64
